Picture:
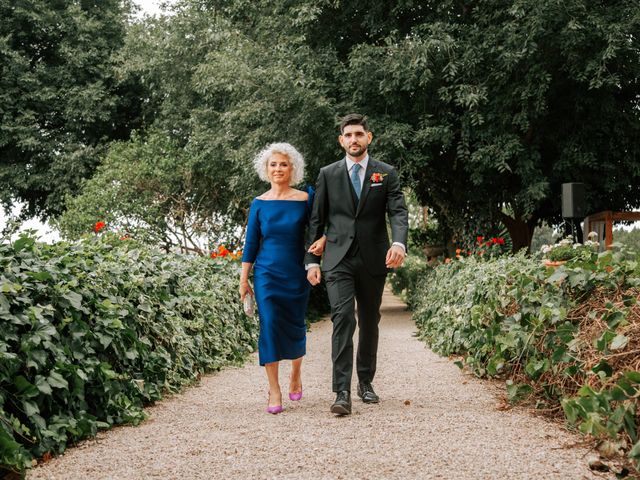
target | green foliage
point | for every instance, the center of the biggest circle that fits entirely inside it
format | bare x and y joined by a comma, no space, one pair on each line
629,238
151,190
609,411
429,234
60,97
512,318
94,330
478,103
220,94
404,280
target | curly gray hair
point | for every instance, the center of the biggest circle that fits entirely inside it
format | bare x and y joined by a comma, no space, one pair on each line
286,149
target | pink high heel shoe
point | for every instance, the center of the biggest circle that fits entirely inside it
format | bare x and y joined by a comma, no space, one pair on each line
295,396
275,409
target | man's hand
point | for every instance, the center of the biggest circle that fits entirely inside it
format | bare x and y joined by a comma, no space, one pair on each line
395,257
314,276
318,246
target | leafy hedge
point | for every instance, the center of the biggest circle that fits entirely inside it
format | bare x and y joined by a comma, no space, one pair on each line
567,339
92,331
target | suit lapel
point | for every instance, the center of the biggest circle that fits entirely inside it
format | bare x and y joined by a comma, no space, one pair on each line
366,185
345,184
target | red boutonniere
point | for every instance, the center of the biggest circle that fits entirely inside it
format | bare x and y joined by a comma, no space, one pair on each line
377,177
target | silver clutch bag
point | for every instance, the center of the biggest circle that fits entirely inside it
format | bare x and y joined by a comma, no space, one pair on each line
249,305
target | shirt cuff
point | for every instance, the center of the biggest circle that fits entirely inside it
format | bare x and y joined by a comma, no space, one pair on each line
311,265
401,245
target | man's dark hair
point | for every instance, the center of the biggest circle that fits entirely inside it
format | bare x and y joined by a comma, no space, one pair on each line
354,119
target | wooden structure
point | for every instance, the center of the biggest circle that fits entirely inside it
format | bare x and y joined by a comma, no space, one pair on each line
602,223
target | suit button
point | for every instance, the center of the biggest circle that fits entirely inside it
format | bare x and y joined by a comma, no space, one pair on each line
350,237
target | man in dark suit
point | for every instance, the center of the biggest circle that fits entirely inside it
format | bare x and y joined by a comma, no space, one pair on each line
352,198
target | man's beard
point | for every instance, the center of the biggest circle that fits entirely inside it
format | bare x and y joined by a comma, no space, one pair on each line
357,153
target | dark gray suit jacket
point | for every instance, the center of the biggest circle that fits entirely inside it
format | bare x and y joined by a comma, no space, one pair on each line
337,211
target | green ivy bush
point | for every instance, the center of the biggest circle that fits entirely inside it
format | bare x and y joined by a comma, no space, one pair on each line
566,338
93,330
404,280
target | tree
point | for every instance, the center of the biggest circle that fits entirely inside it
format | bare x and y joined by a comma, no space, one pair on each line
60,96
217,97
489,106
146,189
485,107
630,238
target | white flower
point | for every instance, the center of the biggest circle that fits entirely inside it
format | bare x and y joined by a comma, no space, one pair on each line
566,241
593,236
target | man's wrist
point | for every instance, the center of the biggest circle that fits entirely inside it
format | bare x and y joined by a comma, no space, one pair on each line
401,245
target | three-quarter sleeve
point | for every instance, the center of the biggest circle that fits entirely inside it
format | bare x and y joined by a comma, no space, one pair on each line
252,236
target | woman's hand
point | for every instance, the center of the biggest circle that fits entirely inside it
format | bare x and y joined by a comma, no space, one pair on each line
244,289
317,247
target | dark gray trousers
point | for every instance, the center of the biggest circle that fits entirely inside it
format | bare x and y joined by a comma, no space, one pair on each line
347,282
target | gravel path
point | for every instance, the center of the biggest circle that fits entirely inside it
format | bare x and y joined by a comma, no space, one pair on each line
433,423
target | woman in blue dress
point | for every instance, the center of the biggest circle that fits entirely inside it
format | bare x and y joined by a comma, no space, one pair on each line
274,248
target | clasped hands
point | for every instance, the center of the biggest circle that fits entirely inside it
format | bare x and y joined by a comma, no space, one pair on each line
395,258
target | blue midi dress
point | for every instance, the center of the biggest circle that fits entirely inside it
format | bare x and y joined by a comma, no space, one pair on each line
274,243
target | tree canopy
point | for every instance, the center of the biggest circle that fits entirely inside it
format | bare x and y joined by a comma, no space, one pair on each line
218,97
488,107
61,99
485,107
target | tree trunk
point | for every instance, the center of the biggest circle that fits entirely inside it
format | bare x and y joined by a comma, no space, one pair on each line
521,231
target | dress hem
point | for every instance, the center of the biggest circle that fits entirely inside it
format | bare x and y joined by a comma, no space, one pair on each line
283,358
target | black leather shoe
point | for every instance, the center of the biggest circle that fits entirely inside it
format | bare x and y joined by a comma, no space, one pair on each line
342,405
366,393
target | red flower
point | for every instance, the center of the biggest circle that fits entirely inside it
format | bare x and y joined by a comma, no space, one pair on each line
494,240
99,226
479,238
500,240
213,255
376,177
222,251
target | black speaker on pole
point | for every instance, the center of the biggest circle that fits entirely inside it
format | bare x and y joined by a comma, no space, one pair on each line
573,200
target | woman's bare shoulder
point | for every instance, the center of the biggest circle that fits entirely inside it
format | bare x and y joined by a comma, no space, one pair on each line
300,195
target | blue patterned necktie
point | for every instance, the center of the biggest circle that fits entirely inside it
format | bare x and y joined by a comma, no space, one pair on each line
355,179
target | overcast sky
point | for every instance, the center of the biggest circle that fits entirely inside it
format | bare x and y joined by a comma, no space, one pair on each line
151,7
